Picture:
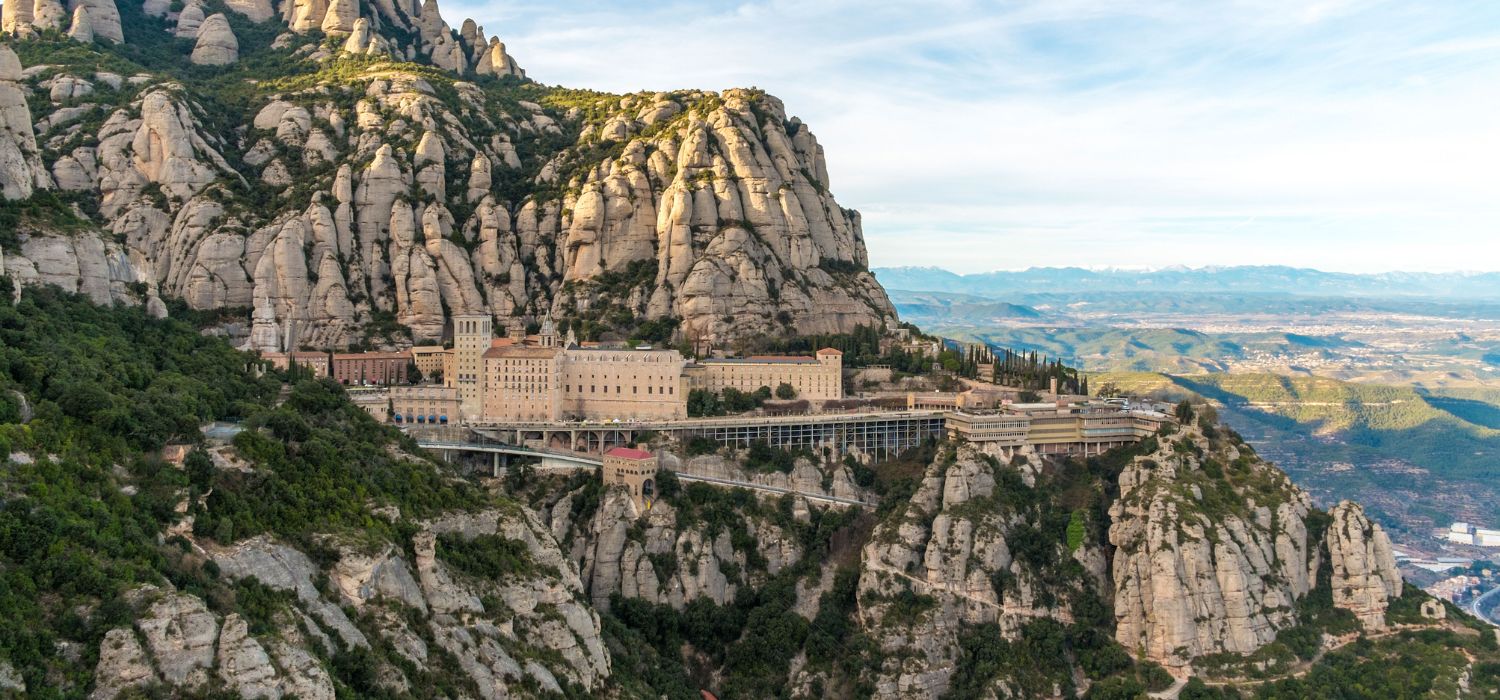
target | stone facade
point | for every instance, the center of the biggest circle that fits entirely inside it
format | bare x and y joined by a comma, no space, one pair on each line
471,339
365,368
424,405
520,384
315,361
635,470
817,378
429,359
550,383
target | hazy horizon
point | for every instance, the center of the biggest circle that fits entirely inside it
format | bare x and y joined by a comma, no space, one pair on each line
1342,134
1185,268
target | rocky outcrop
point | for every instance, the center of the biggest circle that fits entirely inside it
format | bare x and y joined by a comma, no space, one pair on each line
216,43
403,195
104,18
1365,576
21,169
654,557
1201,567
949,546
187,650
495,61
122,665
82,27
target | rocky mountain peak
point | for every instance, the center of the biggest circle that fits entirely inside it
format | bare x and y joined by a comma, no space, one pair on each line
401,172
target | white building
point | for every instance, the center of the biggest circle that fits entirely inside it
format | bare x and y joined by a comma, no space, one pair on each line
1487,538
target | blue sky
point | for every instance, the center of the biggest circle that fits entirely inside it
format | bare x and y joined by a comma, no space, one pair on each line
1347,135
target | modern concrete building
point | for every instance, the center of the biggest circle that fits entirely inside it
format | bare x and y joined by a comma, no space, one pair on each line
635,470
1060,428
816,378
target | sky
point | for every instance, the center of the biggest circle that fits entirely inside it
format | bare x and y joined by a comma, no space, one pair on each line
1347,135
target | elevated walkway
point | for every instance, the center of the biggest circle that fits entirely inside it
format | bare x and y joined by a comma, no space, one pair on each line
556,460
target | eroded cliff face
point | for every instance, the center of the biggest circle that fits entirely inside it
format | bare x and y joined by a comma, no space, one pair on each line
404,181
1213,552
499,634
971,548
1364,576
680,548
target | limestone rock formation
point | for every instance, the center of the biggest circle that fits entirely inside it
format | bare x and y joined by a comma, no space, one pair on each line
495,61
104,18
49,14
340,17
950,544
1365,576
82,27
392,196
216,43
21,169
190,20
122,665
1201,567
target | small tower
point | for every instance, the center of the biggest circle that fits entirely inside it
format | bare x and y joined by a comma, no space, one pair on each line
635,470
549,331
515,330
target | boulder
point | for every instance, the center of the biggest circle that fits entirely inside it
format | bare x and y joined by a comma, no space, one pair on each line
340,18
189,20
216,45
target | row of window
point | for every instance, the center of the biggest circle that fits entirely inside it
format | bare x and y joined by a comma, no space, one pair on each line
596,389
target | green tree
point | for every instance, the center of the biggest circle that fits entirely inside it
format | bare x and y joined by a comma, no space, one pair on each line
785,392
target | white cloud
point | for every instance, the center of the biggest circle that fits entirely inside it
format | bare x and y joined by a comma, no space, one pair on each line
1094,132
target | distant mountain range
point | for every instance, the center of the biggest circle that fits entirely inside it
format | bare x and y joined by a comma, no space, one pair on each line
1242,279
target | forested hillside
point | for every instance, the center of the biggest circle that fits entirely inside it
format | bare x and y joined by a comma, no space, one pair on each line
317,554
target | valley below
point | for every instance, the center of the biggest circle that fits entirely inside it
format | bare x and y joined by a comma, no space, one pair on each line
1393,401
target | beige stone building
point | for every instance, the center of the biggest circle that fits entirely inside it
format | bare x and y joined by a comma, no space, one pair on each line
471,339
315,361
816,378
429,359
424,405
635,470
521,383
550,383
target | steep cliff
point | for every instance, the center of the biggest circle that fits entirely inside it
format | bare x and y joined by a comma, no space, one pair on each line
1216,552
359,172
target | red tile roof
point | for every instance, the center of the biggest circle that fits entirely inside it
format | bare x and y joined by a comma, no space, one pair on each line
830,351
628,453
